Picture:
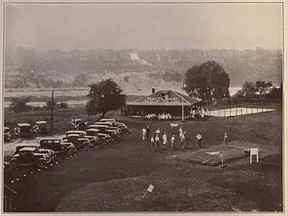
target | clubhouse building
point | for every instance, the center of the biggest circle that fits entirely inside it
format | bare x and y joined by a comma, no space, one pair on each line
163,101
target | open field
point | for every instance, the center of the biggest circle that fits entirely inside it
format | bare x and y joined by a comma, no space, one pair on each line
112,178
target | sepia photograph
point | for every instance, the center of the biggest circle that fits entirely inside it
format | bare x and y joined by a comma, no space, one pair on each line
142,107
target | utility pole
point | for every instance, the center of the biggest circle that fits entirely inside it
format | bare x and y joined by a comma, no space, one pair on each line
183,101
52,106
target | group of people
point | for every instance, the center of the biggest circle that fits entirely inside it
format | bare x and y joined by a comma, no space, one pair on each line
197,112
157,141
163,116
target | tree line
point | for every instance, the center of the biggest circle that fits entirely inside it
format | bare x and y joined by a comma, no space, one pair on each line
207,81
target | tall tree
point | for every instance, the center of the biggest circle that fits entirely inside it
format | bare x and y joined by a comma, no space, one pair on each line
103,97
20,104
258,89
207,81
263,88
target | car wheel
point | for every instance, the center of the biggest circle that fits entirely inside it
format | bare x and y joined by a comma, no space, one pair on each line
70,151
86,146
14,163
41,164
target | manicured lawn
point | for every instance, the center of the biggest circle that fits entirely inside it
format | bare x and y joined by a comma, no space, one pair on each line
113,178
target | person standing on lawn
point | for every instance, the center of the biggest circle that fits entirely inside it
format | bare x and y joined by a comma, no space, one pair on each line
144,133
180,132
164,138
182,140
152,142
158,131
147,131
157,140
225,140
200,141
173,140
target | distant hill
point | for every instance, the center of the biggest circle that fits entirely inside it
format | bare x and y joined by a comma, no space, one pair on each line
133,69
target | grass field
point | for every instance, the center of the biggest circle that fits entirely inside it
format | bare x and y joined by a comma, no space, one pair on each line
113,178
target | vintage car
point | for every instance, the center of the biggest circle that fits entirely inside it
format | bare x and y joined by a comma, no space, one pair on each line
94,140
104,138
112,126
104,123
24,130
105,129
37,148
78,141
30,156
41,127
7,134
57,145
79,124
120,125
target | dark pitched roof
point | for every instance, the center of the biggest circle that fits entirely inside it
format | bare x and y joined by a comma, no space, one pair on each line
165,98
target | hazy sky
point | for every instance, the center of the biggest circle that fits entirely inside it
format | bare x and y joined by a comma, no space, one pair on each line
144,26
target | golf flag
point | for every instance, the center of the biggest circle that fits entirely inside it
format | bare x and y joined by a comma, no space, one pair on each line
150,188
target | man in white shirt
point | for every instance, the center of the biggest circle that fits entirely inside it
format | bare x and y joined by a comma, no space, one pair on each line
225,140
158,131
157,140
144,133
164,138
182,140
152,142
200,141
173,140
180,131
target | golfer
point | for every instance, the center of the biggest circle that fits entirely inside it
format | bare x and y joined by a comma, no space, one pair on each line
157,140
200,141
225,140
180,132
173,142
182,140
158,131
152,142
164,138
144,133
147,131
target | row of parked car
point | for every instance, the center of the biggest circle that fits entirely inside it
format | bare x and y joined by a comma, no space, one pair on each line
102,132
27,130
